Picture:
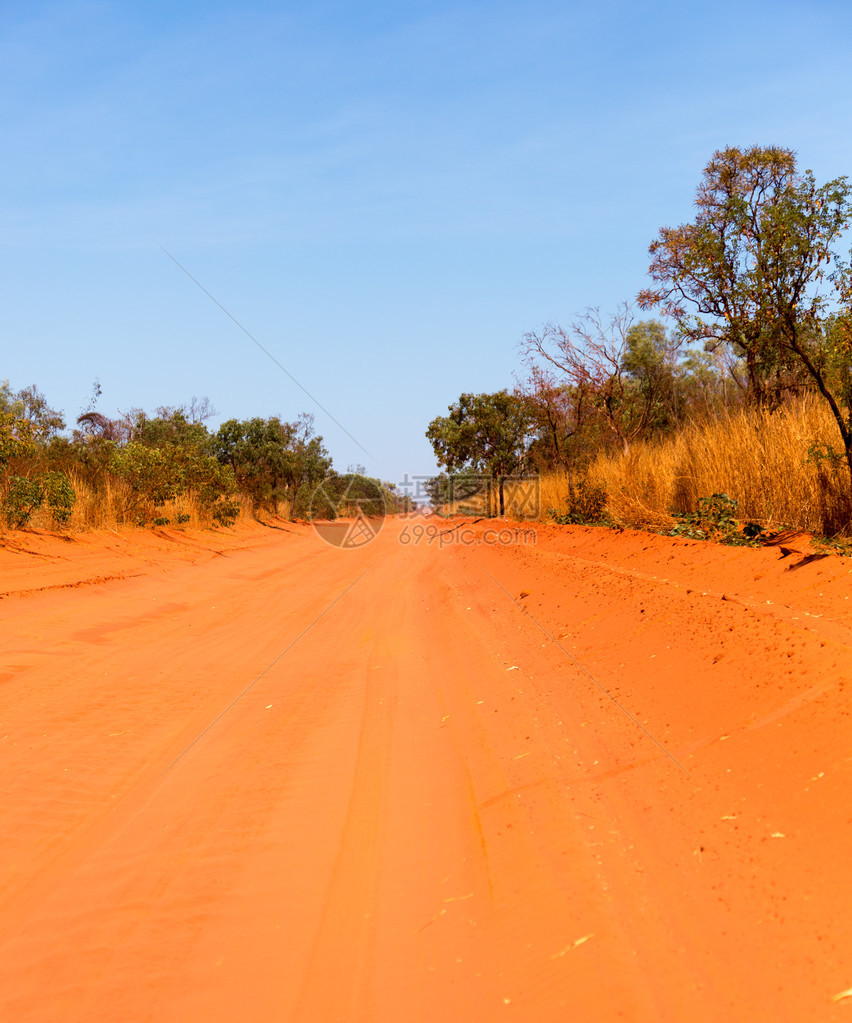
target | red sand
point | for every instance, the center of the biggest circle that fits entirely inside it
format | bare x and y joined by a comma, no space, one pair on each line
247,775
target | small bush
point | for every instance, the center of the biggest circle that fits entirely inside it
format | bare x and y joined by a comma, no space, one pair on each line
23,497
226,513
59,496
832,545
586,505
150,472
715,520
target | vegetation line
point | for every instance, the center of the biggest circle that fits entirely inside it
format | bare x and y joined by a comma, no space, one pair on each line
168,468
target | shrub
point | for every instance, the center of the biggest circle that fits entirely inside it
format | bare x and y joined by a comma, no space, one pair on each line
59,496
226,513
715,520
158,475
23,496
586,504
150,472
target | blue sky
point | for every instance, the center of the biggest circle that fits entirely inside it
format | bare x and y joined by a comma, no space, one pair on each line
385,195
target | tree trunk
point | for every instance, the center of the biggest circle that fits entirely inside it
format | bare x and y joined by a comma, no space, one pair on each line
816,375
554,434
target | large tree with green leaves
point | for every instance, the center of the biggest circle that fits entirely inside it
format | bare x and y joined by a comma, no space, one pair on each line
272,459
757,268
650,360
484,433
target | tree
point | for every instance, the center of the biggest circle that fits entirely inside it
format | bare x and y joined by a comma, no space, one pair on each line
17,434
705,380
752,271
273,460
559,412
651,361
28,428
169,428
590,355
31,405
26,421
486,433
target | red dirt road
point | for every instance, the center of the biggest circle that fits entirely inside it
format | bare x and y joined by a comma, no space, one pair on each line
254,777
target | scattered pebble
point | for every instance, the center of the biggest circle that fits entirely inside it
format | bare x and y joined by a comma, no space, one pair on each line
574,944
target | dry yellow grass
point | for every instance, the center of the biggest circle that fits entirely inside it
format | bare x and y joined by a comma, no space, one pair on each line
113,504
761,459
